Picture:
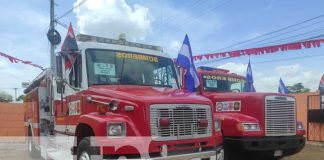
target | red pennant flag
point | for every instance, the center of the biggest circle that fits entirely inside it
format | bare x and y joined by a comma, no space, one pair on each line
199,57
264,50
26,62
69,48
13,59
207,56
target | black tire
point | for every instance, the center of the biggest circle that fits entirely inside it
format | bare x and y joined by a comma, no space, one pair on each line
226,150
278,158
85,150
33,152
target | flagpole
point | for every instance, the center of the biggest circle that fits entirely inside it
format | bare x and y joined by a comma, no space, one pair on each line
183,86
52,71
52,27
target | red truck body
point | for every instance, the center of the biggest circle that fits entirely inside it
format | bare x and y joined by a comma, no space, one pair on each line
125,120
253,124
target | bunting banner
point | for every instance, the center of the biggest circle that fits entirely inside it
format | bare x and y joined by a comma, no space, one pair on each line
16,60
262,50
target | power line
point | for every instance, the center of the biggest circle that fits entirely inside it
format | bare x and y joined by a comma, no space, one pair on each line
270,33
282,34
205,10
193,6
65,26
71,10
172,18
264,44
186,20
287,59
276,60
287,38
215,60
10,88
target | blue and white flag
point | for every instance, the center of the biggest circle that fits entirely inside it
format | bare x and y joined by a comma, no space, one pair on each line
249,79
185,61
282,88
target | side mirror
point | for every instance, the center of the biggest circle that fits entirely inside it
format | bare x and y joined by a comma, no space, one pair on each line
60,85
59,73
59,66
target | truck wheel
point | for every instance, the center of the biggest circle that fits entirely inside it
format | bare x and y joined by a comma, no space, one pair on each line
33,152
85,151
228,154
226,150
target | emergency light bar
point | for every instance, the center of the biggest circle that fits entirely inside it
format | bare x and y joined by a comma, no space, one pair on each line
120,41
205,68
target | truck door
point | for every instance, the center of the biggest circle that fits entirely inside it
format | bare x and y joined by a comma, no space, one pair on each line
73,95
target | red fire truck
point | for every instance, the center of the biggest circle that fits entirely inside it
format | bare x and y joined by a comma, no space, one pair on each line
253,124
118,99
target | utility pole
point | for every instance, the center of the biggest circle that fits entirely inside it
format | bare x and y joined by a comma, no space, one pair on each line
52,27
52,72
15,100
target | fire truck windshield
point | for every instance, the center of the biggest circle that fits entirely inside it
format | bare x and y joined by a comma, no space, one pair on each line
106,67
220,83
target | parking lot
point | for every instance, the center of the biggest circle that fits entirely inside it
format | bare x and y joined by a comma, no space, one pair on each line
17,151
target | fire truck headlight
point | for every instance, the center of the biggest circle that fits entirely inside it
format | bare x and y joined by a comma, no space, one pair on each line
116,129
217,125
251,126
300,126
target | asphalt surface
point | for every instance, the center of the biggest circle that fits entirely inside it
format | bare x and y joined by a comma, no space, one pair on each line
18,151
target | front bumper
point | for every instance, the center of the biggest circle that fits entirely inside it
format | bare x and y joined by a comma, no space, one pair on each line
266,146
217,152
146,148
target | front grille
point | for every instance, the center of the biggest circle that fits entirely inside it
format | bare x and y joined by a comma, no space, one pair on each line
183,121
280,116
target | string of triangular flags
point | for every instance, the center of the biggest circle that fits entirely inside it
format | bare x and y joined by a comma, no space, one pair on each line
262,50
16,60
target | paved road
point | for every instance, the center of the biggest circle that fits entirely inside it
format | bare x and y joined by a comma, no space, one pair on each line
17,151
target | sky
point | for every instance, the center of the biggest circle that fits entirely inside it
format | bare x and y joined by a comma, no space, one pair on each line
211,25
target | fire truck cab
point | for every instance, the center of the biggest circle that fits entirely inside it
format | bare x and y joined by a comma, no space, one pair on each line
259,125
117,99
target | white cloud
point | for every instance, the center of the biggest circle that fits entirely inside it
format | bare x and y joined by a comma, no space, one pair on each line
269,81
238,68
22,35
288,70
174,47
108,18
2,64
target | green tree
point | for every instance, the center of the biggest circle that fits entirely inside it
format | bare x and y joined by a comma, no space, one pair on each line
5,97
297,88
20,98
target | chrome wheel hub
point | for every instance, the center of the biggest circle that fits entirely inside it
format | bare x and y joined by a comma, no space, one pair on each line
84,156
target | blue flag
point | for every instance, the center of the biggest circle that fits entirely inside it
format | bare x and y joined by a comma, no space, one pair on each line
282,88
249,79
185,61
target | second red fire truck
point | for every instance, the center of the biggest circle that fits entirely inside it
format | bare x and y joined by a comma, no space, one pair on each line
257,124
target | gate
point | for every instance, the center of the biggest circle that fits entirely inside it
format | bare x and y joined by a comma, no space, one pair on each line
315,118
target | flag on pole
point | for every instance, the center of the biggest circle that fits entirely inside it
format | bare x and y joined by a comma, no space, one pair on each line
249,79
185,61
321,85
282,88
69,48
